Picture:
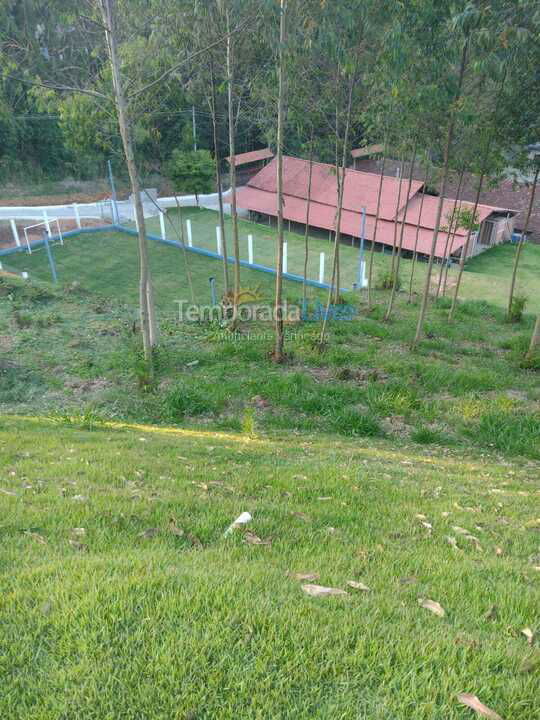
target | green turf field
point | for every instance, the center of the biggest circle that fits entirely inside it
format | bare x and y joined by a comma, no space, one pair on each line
108,263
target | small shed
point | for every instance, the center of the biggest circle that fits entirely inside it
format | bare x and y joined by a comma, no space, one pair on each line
365,152
248,164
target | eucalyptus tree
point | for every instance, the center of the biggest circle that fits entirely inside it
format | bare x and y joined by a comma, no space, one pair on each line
350,43
455,35
500,118
534,345
278,354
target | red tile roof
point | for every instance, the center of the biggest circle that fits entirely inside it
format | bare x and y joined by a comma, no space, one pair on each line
429,212
361,190
250,157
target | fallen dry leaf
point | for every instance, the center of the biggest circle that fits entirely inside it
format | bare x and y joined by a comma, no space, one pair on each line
81,547
173,527
36,536
475,704
492,613
408,580
358,586
304,576
321,591
530,664
150,533
460,530
452,541
253,539
301,516
528,634
498,551
432,605
78,531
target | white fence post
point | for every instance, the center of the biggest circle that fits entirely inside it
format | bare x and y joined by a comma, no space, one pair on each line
46,221
285,264
218,239
162,225
250,249
321,268
189,235
15,233
77,215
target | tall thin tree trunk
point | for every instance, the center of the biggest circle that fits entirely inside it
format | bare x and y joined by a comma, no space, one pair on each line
395,277
341,175
418,224
442,194
372,248
465,248
306,231
398,204
184,251
521,242
149,328
217,161
447,264
232,153
450,235
535,340
278,307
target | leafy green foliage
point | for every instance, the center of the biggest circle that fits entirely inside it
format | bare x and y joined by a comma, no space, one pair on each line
191,171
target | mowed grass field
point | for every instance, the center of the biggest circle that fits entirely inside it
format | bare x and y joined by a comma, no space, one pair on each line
121,597
487,276
108,263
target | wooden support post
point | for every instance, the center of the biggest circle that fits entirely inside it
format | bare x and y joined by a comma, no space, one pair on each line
321,267
189,235
250,249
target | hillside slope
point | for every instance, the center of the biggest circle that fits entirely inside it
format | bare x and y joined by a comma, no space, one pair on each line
122,598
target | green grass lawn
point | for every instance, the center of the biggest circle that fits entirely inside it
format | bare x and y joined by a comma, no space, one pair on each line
487,276
120,597
107,610
72,350
108,264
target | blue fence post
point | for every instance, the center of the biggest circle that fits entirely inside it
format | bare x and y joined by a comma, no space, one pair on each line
50,256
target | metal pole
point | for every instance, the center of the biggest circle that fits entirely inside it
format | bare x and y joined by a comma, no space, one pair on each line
194,128
116,218
50,256
360,274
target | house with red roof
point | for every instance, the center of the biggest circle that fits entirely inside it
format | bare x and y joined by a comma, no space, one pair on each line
259,199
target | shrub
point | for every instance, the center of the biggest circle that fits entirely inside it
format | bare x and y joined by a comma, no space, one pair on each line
385,280
516,308
184,400
425,436
353,423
